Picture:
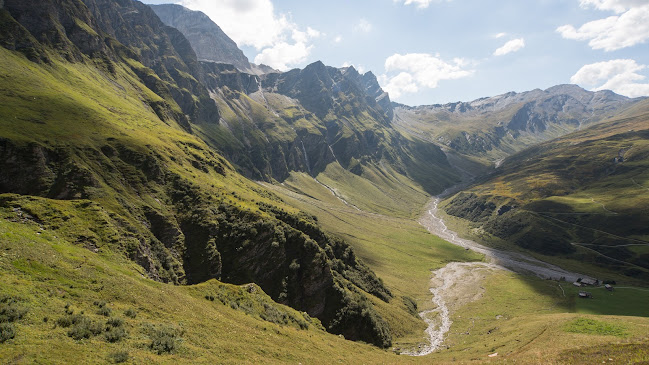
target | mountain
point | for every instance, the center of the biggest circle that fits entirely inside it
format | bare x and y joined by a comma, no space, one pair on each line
582,196
207,39
495,127
100,100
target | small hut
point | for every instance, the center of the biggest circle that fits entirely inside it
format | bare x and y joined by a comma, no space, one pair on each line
608,287
585,295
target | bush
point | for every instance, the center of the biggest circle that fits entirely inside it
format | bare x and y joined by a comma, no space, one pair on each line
130,313
115,334
7,332
69,320
10,310
104,311
115,322
118,357
165,339
85,328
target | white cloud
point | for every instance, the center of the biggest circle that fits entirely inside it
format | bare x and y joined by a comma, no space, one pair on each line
618,6
363,26
282,55
511,46
255,23
614,32
421,4
359,68
619,75
415,71
500,35
338,39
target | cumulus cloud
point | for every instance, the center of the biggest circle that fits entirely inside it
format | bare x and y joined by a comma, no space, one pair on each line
255,23
282,55
363,26
511,46
338,39
629,28
500,35
421,4
411,72
618,6
619,75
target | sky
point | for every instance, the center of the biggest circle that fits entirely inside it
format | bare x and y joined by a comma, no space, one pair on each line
441,51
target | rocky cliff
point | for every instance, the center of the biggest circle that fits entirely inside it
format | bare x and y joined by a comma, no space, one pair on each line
207,39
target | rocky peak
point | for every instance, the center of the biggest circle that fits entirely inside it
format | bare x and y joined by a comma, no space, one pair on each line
207,38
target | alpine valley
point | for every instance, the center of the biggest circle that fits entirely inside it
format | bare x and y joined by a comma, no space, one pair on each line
165,200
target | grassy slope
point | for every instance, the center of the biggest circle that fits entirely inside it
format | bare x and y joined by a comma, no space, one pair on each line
78,107
46,272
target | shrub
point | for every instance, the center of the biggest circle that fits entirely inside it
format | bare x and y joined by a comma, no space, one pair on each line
69,320
115,334
104,311
10,310
85,328
115,322
165,339
130,313
118,357
7,332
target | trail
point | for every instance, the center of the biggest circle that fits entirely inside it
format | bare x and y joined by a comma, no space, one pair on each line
335,193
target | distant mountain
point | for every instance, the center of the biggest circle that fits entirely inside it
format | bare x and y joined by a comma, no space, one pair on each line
207,39
497,126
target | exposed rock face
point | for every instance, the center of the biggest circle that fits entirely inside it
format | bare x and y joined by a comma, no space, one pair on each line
207,38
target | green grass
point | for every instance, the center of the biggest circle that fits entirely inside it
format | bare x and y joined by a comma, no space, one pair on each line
526,319
594,327
623,301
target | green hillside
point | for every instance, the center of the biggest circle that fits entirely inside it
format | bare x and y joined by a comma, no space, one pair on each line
582,197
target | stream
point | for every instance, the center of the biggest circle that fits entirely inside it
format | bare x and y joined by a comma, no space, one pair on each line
457,283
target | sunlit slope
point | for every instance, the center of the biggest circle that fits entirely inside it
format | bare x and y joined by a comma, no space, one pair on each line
583,196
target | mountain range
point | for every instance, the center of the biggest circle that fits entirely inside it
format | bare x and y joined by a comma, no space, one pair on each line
147,166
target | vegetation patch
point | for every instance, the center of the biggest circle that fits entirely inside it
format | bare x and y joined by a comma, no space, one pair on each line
165,339
594,327
10,311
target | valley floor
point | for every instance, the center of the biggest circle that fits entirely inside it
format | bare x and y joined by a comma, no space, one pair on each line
487,305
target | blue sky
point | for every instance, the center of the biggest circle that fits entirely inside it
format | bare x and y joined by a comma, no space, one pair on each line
439,51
